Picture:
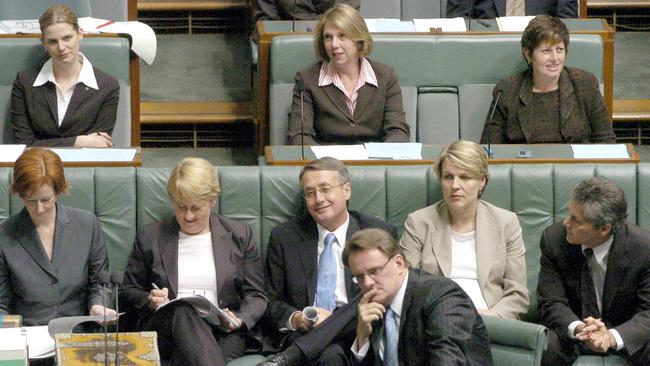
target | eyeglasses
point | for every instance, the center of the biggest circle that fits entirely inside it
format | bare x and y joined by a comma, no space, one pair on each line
372,272
325,190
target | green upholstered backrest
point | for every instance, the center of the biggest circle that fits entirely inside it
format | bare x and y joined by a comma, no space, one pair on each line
109,54
446,80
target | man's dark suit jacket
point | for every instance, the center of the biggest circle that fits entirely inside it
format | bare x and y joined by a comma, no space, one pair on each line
626,294
583,115
438,326
291,268
240,274
489,9
34,110
296,9
378,116
39,289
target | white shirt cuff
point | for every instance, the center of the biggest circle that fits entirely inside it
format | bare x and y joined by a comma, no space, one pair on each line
361,353
288,327
572,328
619,341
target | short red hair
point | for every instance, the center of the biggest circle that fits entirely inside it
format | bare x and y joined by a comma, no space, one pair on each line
36,167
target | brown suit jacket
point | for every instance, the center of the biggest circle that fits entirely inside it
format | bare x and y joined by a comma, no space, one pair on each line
500,253
583,115
240,273
34,110
296,9
378,115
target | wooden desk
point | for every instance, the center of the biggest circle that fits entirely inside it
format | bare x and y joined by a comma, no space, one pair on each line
136,162
269,29
503,154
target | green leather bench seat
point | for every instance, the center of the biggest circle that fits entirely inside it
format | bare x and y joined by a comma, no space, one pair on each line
109,54
126,198
446,80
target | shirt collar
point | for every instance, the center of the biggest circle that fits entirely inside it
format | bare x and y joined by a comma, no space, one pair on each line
601,251
398,300
328,74
340,232
86,75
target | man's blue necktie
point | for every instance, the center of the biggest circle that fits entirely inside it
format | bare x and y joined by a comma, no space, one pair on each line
391,334
326,286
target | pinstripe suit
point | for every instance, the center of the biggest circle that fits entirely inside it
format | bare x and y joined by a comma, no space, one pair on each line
34,110
438,326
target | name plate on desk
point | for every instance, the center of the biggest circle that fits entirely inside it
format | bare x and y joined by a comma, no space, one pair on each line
87,349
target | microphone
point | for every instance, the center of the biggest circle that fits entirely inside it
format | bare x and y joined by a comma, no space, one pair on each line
116,279
469,16
493,108
300,85
293,16
105,280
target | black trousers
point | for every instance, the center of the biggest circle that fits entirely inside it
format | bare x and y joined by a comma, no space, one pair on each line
329,344
185,339
561,352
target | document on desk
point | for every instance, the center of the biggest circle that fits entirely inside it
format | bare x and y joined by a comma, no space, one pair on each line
445,24
394,150
10,153
95,154
39,342
513,24
25,26
389,25
600,151
13,346
341,152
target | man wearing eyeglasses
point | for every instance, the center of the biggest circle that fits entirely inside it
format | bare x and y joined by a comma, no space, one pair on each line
304,268
407,316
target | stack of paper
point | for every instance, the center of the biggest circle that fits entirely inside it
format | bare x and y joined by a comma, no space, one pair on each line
13,347
10,153
371,150
600,151
513,24
389,25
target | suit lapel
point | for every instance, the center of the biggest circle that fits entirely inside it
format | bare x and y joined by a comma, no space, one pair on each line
81,93
64,236
221,250
28,238
308,252
48,92
567,101
526,113
338,99
487,236
364,97
169,255
617,265
440,238
350,289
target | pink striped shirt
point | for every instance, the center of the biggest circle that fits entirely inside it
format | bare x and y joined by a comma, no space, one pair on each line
329,76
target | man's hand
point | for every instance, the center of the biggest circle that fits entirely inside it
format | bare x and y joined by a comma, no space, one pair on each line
595,335
95,139
368,312
225,324
299,322
158,298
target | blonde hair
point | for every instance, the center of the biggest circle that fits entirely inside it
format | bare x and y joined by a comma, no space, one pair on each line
350,21
58,13
193,180
467,155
